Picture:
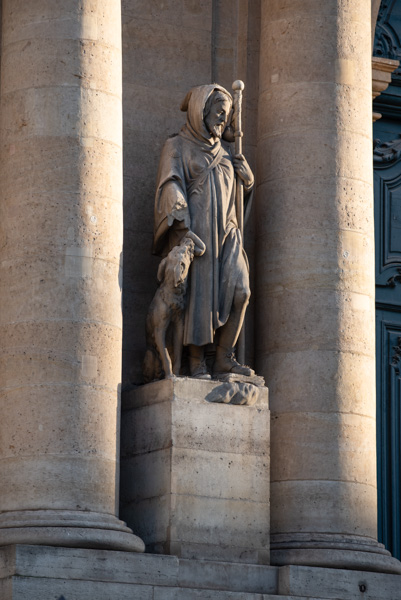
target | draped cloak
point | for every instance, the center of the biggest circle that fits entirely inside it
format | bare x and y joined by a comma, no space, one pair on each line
196,185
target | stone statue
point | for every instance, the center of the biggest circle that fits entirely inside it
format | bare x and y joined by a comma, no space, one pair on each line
196,196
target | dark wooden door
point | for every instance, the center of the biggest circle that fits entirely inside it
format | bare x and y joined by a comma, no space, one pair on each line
388,341
387,170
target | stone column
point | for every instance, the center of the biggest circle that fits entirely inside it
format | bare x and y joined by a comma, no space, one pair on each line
315,296
60,278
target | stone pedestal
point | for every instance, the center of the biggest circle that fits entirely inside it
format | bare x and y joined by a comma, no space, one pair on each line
195,474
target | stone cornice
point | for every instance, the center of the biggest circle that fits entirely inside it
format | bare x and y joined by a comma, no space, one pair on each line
382,68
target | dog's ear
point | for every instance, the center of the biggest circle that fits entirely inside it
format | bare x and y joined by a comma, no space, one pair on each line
161,270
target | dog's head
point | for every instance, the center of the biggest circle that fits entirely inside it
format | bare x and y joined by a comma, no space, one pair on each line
176,265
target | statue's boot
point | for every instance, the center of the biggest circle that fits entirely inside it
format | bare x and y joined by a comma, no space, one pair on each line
225,362
197,363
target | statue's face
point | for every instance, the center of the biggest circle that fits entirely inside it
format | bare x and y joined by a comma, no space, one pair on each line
216,119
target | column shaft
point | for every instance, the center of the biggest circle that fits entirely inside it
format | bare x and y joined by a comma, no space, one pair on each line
60,278
315,296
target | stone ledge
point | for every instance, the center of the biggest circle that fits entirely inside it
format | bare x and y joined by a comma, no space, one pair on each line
44,573
183,388
335,584
125,568
382,68
48,589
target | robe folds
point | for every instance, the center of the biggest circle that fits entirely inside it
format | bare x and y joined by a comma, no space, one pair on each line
196,187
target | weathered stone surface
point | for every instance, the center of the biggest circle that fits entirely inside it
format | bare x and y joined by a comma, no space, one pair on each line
232,377
168,48
337,583
211,309
72,270
382,68
234,393
157,73
44,573
315,280
195,474
165,318
84,574
37,589
60,273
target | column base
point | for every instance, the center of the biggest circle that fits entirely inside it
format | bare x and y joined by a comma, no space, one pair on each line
72,529
332,551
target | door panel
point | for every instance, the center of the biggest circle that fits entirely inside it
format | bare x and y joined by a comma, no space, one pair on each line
387,172
388,230
388,332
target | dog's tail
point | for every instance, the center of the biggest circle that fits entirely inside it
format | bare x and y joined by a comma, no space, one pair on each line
148,367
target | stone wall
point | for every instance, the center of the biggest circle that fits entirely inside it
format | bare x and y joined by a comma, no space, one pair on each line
168,47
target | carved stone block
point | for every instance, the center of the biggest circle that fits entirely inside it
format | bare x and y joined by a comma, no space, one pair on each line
195,474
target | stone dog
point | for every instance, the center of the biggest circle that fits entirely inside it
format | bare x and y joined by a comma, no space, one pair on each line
165,319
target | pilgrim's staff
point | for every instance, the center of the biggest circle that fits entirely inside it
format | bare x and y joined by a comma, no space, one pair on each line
238,87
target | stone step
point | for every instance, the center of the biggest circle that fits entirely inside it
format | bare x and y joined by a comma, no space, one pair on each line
38,588
50,573
338,583
135,569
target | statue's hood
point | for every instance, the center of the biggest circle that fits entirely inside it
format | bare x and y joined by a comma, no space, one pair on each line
194,105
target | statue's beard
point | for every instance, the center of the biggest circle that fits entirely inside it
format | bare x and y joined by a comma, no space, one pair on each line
217,131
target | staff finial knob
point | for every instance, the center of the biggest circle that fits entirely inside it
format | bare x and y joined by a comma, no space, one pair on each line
238,85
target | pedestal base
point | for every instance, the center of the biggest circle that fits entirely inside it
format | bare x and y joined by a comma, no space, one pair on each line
195,474
333,551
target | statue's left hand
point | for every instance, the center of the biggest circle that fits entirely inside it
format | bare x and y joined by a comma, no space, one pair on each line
243,170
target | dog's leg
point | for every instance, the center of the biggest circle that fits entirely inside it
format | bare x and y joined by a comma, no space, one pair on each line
178,339
160,339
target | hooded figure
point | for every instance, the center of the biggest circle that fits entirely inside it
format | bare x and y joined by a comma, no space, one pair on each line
196,192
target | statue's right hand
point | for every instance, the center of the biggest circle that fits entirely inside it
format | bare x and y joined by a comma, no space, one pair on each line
200,247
